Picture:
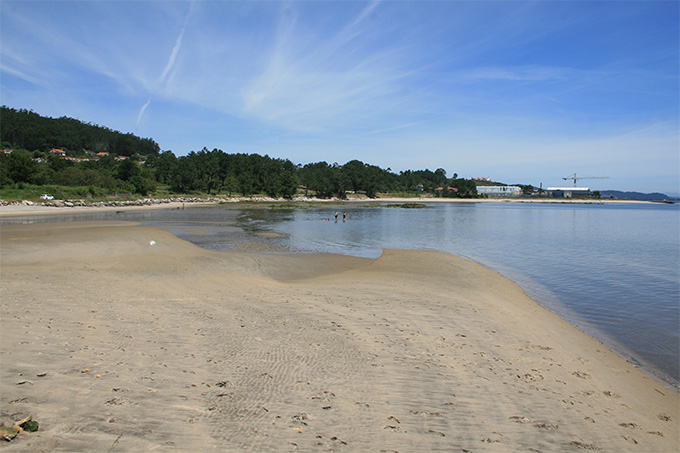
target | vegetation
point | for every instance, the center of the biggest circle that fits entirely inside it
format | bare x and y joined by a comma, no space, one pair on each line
28,130
23,191
408,206
49,154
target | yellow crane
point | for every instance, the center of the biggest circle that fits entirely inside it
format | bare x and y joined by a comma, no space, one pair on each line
576,178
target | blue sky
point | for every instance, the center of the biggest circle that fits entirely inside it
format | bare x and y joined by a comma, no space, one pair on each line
522,92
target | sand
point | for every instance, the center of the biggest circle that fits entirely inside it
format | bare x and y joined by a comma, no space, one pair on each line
37,209
114,344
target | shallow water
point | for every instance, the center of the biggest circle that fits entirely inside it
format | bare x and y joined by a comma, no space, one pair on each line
612,270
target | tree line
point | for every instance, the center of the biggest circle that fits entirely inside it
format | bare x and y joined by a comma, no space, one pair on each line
216,171
29,130
205,171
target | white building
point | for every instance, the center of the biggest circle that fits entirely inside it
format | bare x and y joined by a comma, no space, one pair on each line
568,192
499,191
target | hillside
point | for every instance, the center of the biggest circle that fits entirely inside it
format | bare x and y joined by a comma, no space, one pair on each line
25,129
638,196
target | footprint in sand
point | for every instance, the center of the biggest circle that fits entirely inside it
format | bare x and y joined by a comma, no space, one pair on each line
547,426
583,445
520,419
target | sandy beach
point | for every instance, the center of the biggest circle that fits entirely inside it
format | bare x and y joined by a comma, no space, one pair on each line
117,337
21,209
37,209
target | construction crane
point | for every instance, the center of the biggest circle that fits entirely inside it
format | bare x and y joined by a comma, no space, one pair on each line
576,178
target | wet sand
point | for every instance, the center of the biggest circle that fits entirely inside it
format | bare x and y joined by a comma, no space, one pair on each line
37,209
116,337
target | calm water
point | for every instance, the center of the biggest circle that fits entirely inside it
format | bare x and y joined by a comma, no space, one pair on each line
612,270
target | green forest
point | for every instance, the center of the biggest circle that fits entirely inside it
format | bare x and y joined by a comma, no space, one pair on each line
60,153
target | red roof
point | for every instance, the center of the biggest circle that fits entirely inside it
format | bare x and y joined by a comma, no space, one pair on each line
57,151
450,188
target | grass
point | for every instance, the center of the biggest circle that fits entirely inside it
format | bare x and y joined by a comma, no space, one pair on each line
33,192
408,206
403,195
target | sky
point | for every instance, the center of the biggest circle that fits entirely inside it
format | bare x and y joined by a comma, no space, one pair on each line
521,92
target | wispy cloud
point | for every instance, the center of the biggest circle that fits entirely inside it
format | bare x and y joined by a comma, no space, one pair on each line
504,86
172,59
334,83
13,70
175,49
394,128
522,73
142,110
365,13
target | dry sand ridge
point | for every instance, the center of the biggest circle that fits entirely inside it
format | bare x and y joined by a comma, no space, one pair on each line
114,344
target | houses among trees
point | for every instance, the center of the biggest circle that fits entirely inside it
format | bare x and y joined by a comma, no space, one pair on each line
65,151
31,131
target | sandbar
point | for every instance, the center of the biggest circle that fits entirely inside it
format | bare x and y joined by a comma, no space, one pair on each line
39,209
118,337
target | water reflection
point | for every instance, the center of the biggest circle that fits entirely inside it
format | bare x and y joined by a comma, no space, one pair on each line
611,270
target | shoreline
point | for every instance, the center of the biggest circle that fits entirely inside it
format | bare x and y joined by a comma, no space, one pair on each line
414,350
30,208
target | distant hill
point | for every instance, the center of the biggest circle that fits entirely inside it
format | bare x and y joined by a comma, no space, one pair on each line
618,195
488,183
